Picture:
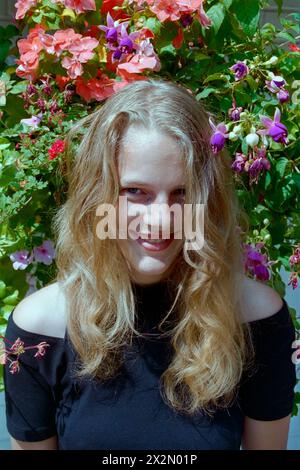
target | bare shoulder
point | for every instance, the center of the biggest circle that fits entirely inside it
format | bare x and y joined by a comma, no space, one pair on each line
258,300
43,312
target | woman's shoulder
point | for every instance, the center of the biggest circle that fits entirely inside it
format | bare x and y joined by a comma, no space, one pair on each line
258,300
43,312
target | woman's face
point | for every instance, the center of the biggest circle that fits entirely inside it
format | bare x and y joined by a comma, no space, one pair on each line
150,172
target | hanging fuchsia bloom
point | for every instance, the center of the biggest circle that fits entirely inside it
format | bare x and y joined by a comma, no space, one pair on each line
44,253
283,96
21,259
113,28
217,140
240,70
274,128
239,163
255,262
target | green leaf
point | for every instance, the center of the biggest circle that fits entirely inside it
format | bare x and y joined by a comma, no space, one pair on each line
286,35
217,76
281,164
248,16
205,93
279,6
216,14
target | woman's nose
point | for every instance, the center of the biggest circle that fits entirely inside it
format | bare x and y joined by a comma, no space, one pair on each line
159,220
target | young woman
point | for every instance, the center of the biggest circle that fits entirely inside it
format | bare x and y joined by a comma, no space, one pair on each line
158,344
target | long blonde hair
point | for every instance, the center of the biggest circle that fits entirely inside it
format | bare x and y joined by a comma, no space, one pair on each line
211,343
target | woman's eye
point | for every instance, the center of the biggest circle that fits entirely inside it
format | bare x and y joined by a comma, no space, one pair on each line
180,191
132,190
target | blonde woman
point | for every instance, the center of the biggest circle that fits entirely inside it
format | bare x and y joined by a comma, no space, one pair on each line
158,344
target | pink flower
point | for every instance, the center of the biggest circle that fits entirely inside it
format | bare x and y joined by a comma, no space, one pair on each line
255,262
82,52
59,42
23,6
80,6
44,253
29,49
166,10
21,259
41,349
217,140
14,366
95,88
274,128
145,58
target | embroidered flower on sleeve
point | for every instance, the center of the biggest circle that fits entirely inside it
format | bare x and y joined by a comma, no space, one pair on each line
11,354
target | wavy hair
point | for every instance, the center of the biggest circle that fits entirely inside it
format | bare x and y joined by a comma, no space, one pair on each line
211,342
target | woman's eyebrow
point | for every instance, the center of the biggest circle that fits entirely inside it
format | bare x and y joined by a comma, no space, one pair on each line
142,183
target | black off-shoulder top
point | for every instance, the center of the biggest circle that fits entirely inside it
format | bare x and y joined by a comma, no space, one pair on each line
128,413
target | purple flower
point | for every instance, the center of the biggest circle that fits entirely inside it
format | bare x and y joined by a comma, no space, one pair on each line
259,165
118,40
275,84
45,252
274,128
255,262
186,20
217,140
234,113
112,29
33,121
240,69
239,163
283,96
21,259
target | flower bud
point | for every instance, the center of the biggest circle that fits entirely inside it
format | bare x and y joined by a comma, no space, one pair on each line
252,139
233,136
266,221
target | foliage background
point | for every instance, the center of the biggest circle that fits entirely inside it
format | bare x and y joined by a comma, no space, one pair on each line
46,84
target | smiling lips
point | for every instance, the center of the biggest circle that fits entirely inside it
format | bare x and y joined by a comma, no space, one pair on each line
155,244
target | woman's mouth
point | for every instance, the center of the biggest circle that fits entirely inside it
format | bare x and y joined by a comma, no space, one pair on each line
155,244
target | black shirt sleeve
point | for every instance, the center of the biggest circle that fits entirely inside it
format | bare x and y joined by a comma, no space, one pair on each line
268,392
29,397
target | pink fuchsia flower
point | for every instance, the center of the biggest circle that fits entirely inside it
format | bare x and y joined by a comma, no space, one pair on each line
239,163
21,259
240,70
44,253
275,83
80,6
166,10
146,58
23,6
33,121
295,258
283,96
274,128
293,280
255,262
56,148
234,113
217,140
259,165
113,29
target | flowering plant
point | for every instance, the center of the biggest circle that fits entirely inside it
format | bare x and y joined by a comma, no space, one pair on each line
64,57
